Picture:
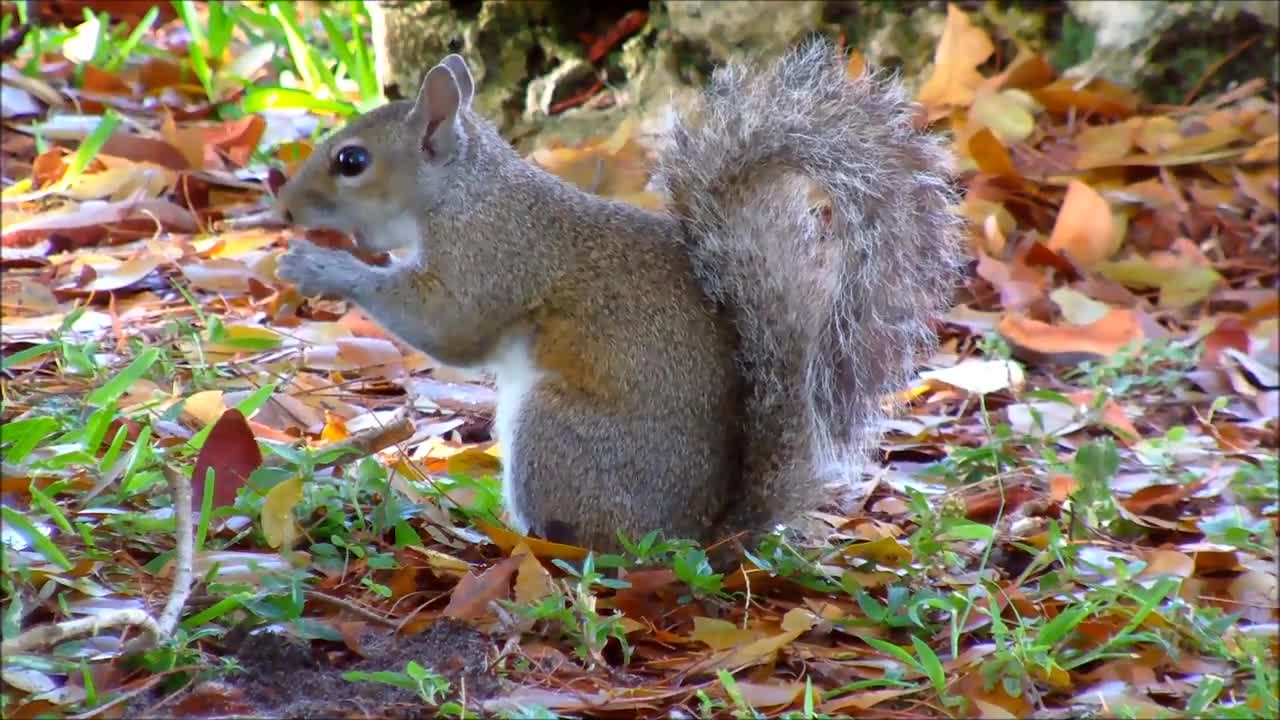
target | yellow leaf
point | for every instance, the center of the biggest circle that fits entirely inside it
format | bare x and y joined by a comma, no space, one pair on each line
722,634
206,406
886,551
857,64
1005,114
1156,135
442,563
533,582
473,463
758,651
798,619
335,429
124,274
962,48
277,512
243,338
508,541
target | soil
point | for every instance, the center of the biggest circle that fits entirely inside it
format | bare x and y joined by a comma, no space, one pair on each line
286,677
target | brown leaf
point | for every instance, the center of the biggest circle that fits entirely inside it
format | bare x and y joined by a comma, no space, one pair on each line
1104,145
143,149
1098,97
1229,332
1152,496
471,596
233,454
533,582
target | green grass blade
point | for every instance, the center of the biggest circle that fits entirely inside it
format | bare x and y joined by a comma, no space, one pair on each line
38,540
88,149
118,385
130,43
278,98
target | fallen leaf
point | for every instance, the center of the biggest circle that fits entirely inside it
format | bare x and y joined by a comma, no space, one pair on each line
1077,308
886,551
474,463
205,407
772,695
231,451
533,582
722,634
124,274
278,525
990,154
1104,145
1101,338
979,377
1006,114
471,596
1084,231
508,541
1099,97
961,49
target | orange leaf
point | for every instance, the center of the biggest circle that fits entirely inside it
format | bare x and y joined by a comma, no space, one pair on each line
857,65
1084,230
990,154
1101,338
962,48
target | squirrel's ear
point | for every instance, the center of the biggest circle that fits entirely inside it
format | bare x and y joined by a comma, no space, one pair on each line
461,75
436,112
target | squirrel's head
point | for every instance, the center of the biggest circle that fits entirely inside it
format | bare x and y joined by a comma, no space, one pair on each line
375,176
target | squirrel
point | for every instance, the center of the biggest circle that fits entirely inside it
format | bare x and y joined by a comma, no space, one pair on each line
707,371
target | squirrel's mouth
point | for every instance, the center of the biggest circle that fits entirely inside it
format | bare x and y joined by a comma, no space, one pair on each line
352,242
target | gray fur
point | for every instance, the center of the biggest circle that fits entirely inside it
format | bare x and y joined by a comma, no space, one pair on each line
703,371
831,318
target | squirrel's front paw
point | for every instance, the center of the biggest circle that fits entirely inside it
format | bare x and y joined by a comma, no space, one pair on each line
317,270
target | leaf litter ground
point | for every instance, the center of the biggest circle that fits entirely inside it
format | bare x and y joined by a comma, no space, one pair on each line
1075,515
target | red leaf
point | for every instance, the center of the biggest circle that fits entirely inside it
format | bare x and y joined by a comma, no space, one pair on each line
232,452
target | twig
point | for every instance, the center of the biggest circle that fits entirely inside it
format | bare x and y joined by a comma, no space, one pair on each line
360,610
53,633
184,553
154,631
1214,68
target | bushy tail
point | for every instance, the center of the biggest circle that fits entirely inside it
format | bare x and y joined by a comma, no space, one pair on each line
831,308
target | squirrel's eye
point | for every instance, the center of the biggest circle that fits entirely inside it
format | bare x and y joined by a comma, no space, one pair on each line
351,161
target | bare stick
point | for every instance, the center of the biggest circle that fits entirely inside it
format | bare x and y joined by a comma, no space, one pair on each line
43,636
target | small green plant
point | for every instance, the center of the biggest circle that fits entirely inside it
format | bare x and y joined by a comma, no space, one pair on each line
432,687
574,614
1093,503
1154,365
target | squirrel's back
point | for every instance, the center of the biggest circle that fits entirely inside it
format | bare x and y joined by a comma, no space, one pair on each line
832,308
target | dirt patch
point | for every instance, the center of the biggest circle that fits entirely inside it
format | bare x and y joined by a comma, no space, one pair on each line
285,677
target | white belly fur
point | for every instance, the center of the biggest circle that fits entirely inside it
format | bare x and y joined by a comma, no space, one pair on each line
516,374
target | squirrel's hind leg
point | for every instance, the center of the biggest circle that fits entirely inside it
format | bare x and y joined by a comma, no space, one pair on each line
577,478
